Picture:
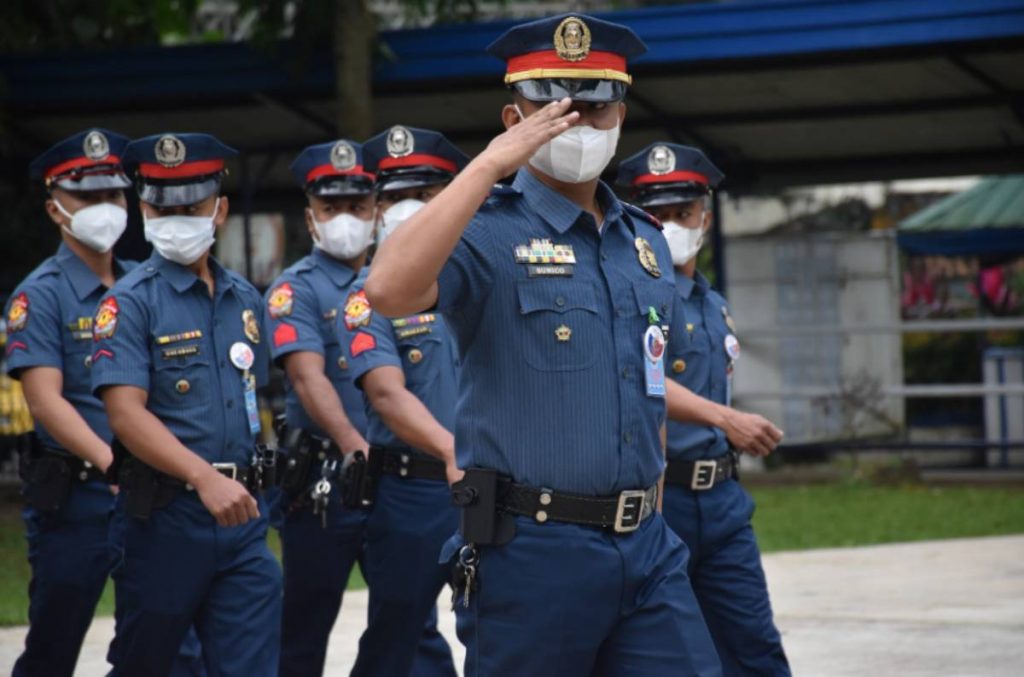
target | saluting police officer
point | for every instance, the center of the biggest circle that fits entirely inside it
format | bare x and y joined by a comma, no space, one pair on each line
703,503
325,413
407,368
177,357
559,296
49,320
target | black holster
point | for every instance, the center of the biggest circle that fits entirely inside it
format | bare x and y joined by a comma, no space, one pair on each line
47,478
294,475
146,489
481,523
265,463
359,480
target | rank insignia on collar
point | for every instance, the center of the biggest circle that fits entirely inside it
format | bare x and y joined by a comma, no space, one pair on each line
543,251
252,327
647,258
357,310
17,314
279,303
106,319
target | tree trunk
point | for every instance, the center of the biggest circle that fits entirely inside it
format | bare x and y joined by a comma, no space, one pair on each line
355,34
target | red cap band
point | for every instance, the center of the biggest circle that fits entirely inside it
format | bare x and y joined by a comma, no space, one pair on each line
671,177
329,170
418,159
80,163
184,170
549,59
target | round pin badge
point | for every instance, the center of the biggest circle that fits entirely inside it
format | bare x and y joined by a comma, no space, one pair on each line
242,355
732,346
654,343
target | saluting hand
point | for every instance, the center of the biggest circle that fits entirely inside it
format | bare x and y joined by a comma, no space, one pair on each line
752,433
228,501
510,150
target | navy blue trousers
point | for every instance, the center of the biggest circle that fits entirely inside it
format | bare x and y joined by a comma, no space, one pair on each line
178,569
562,599
410,521
70,560
725,569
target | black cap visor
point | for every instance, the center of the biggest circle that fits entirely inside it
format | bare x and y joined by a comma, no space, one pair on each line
556,89
670,194
176,193
340,186
411,177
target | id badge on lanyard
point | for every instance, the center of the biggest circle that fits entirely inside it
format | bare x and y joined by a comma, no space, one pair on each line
654,356
243,358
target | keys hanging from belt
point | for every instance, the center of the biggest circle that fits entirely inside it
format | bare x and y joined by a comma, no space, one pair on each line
464,579
321,493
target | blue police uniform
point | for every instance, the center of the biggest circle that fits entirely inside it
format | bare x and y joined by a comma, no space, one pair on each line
711,513
560,323
412,515
50,318
67,550
159,329
319,551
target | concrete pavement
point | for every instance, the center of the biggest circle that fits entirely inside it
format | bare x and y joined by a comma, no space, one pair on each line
952,607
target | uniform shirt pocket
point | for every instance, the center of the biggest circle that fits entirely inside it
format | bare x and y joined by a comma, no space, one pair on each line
561,320
421,357
181,380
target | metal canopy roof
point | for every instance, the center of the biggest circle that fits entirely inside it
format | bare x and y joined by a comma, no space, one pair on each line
985,220
779,92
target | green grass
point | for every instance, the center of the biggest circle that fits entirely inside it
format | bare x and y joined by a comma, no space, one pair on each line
788,518
857,513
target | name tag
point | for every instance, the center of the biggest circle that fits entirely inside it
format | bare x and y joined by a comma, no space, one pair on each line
549,271
181,351
412,331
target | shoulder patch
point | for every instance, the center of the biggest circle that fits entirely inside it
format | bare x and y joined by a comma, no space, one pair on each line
640,213
357,310
105,324
279,302
17,313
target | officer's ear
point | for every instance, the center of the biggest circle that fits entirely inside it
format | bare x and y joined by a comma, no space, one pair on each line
220,217
310,226
510,116
622,112
53,211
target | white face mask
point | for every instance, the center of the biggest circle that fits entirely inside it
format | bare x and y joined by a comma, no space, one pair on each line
97,226
344,237
182,239
684,243
578,154
395,215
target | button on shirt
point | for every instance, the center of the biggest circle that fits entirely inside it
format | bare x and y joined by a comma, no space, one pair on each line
420,345
697,360
552,388
160,330
50,323
299,311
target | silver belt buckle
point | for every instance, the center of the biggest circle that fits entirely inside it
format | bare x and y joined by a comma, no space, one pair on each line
222,467
703,475
630,512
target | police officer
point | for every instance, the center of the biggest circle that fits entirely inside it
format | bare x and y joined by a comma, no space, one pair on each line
703,503
407,368
49,318
325,412
177,357
559,296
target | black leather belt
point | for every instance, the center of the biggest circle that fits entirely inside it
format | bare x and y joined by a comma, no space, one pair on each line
704,474
622,513
81,470
405,462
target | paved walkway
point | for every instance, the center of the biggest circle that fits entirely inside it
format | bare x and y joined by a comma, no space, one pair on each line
934,608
